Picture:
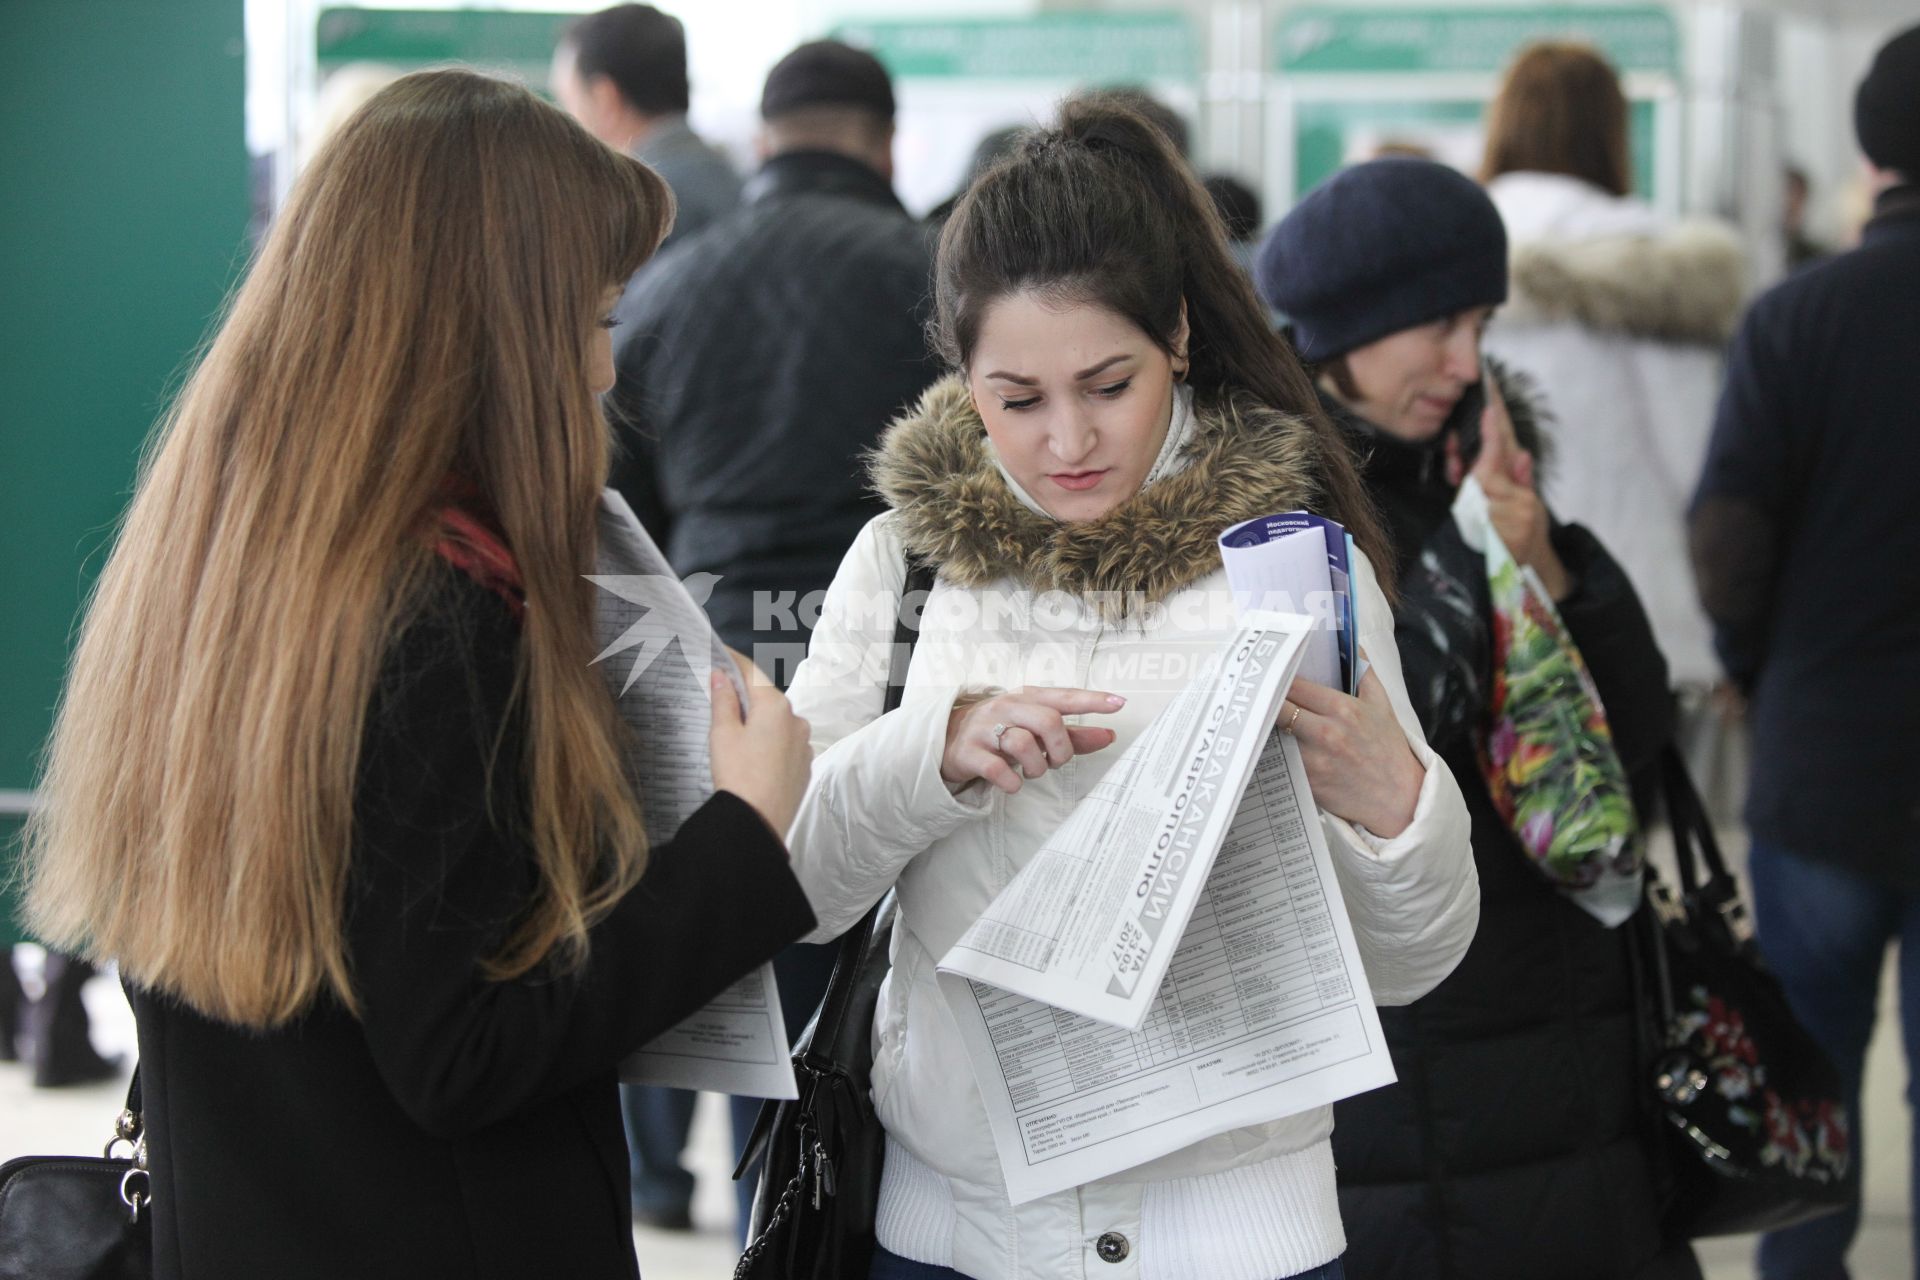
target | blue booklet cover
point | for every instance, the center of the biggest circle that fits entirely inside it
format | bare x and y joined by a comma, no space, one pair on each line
1338,549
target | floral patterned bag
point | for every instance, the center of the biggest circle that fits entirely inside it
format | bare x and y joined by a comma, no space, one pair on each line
1761,1132
1547,751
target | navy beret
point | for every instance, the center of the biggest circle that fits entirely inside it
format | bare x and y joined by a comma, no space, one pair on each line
1380,247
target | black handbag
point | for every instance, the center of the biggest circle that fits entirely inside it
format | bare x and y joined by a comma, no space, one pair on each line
1757,1124
80,1217
819,1181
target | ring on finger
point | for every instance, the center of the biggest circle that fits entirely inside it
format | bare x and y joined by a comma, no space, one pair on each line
1287,728
999,731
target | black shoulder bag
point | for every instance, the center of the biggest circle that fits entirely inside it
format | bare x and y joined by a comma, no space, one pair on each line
819,1184
80,1217
1760,1135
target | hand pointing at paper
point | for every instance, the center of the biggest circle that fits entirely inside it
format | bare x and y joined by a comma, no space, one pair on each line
1015,736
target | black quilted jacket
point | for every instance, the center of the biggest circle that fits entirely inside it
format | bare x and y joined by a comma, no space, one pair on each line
758,360
1517,1144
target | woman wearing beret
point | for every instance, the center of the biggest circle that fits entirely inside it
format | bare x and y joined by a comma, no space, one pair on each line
1515,1143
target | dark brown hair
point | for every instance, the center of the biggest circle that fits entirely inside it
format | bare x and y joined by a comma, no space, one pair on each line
1101,210
642,50
1560,110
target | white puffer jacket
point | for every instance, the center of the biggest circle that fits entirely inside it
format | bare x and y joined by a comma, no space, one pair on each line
1621,317
1012,607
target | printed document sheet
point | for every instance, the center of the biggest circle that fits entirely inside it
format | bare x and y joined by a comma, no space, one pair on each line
1264,1010
1090,924
658,651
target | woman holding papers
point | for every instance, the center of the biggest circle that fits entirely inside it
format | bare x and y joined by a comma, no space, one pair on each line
1117,401
1517,1143
334,780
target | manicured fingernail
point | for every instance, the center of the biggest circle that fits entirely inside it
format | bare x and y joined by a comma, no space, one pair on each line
1116,700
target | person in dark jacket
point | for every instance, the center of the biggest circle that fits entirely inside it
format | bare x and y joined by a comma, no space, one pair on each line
622,72
1517,1143
757,365
1808,559
351,815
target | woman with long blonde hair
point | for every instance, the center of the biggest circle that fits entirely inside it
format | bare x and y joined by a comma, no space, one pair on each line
333,780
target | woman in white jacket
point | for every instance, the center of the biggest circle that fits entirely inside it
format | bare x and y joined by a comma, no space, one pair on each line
1118,401
1621,316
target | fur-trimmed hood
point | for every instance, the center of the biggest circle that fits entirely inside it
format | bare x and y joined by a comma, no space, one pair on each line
1614,266
954,509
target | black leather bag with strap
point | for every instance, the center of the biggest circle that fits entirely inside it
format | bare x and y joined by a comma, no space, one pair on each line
819,1184
1757,1126
80,1217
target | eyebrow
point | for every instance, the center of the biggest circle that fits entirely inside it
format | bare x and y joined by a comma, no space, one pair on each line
1081,376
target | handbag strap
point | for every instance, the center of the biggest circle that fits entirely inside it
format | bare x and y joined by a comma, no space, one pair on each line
854,943
1702,867
1709,893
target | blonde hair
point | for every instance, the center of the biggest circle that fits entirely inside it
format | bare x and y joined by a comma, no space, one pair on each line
1560,109
422,309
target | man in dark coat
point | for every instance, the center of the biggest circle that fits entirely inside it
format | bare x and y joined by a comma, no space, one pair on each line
757,363
622,73
1807,554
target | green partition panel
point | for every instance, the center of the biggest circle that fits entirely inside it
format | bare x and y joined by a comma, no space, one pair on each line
123,154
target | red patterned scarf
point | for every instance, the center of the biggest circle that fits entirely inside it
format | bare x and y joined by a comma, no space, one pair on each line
470,539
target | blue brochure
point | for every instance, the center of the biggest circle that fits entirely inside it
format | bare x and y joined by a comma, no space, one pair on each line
1297,562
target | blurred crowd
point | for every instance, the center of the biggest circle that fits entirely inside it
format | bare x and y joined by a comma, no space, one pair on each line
1708,482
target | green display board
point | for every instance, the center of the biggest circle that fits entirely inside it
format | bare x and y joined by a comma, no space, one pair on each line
499,40
1111,48
10,931
1322,128
123,146
1347,39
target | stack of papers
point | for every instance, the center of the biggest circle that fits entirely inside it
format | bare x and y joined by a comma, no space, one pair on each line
1176,961
658,652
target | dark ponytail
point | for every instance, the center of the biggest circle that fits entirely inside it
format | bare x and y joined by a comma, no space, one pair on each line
1100,209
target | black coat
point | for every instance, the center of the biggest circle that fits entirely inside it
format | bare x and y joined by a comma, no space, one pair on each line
459,1127
1808,553
1516,1145
758,362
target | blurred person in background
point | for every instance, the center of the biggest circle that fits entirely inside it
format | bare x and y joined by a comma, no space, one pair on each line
1516,1145
757,363
1796,193
622,73
51,1033
1239,208
1622,317
352,816
994,147
1808,555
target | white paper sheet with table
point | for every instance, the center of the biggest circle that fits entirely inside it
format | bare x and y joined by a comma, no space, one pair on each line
657,652
1264,1010
1091,922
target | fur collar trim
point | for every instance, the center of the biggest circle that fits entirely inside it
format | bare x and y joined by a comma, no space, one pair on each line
1686,284
954,510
